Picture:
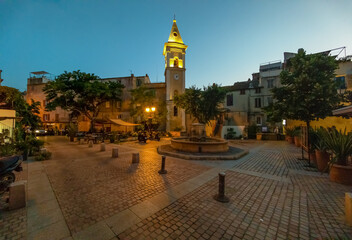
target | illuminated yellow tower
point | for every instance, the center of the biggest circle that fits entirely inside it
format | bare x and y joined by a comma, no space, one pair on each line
175,68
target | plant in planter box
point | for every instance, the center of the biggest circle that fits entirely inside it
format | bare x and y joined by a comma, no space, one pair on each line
290,133
297,136
340,145
322,156
313,139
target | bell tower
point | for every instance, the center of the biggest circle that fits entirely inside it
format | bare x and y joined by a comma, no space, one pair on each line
175,68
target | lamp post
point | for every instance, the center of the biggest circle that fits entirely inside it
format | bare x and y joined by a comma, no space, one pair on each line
150,110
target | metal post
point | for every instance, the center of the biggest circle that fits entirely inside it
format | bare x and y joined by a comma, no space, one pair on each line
220,197
162,170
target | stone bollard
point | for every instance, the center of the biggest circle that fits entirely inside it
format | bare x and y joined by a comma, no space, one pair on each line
115,152
102,147
90,143
221,195
162,170
348,208
17,195
135,157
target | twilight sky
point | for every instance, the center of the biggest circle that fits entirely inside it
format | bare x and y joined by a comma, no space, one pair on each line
227,40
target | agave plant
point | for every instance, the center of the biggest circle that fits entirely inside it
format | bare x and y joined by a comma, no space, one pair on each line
320,143
291,131
340,144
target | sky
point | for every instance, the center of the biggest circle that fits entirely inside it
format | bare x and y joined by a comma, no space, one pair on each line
227,40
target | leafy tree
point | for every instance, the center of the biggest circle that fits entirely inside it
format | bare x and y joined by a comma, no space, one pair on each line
11,98
308,90
81,92
143,97
202,105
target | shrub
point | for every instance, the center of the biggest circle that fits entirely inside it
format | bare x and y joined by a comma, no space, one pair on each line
43,156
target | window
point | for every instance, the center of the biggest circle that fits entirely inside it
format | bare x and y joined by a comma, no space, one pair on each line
259,121
270,83
139,82
243,91
258,103
175,111
57,117
257,90
45,103
107,104
118,104
340,82
46,117
176,62
229,100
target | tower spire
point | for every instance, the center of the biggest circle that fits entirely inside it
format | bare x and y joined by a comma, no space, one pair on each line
175,35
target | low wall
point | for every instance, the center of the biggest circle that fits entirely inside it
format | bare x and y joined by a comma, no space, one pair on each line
184,145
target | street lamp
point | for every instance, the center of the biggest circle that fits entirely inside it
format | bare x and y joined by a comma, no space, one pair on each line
150,110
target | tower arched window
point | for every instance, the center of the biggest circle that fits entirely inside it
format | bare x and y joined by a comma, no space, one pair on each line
176,62
175,111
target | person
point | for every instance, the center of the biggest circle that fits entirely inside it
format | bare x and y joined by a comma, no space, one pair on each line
277,132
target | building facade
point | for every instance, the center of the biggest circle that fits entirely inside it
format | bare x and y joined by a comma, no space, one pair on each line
174,56
245,100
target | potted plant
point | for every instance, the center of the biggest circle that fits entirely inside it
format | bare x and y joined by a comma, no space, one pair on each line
322,156
313,139
72,130
340,145
290,133
297,137
23,147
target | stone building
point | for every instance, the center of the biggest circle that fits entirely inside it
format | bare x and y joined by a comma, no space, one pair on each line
115,115
57,119
245,100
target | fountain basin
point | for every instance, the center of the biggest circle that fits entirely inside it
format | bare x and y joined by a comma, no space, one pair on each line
210,145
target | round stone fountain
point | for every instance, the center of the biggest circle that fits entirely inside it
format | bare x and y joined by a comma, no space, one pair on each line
200,147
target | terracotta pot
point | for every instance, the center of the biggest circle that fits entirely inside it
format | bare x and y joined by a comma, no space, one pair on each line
259,136
341,174
322,160
313,158
289,139
297,141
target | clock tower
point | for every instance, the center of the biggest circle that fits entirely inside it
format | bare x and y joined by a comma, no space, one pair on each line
175,67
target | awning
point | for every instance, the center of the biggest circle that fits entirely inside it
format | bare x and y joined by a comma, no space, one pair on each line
345,111
122,123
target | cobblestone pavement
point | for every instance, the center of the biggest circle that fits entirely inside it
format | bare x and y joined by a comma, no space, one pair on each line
272,196
91,186
13,224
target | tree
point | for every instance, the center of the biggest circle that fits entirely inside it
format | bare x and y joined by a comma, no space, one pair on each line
11,98
81,92
142,98
308,89
202,105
